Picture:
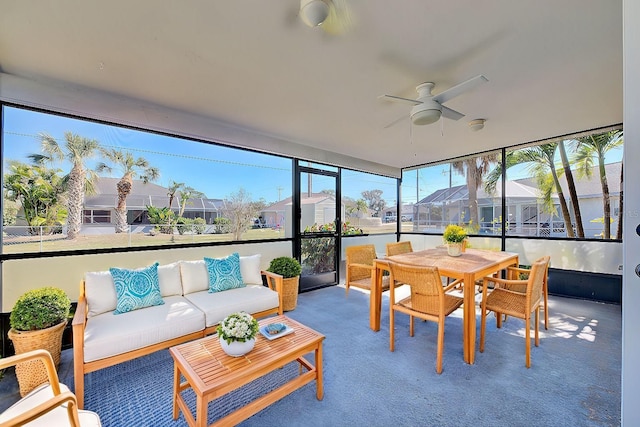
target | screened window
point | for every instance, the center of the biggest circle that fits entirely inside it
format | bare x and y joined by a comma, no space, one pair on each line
369,203
144,188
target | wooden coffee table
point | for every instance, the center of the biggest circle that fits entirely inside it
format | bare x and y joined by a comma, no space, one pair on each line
211,373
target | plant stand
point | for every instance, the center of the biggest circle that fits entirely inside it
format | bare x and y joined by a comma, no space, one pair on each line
32,374
290,293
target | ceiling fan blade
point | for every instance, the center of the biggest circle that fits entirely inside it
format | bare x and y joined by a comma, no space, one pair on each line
400,99
396,121
451,114
458,89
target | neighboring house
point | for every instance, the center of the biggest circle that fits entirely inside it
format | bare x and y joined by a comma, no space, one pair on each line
390,214
317,208
526,215
100,208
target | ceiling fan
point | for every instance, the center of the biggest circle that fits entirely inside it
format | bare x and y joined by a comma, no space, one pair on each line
428,107
332,16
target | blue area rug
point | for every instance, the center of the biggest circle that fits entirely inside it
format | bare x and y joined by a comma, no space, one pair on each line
574,379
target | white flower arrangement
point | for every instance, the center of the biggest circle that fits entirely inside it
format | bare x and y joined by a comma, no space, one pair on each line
238,326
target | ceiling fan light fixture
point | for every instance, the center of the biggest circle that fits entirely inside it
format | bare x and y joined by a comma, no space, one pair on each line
314,12
476,125
425,113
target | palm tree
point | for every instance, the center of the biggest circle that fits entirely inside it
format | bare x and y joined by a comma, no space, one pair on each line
541,163
80,180
571,185
594,147
174,187
474,169
130,167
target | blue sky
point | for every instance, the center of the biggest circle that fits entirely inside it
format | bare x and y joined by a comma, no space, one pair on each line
214,170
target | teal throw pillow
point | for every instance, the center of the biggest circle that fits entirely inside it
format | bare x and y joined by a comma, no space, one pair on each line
136,288
224,273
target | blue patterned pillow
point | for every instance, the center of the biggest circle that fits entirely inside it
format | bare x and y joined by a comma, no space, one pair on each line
224,273
136,288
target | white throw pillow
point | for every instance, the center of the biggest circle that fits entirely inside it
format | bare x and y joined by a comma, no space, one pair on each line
250,269
100,292
170,279
194,276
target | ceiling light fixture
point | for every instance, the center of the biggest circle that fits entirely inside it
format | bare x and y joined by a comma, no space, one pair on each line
314,12
426,113
476,125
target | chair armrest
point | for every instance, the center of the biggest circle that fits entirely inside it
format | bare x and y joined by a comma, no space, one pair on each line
452,285
275,282
365,266
499,282
511,271
42,355
47,406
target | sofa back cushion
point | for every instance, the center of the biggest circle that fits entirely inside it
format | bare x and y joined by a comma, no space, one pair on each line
250,269
100,292
170,279
136,289
194,276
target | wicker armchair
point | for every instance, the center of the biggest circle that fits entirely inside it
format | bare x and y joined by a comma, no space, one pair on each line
517,273
399,248
428,301
513,303
50,404
360,268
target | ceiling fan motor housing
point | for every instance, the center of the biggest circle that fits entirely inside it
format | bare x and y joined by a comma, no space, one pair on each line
425,113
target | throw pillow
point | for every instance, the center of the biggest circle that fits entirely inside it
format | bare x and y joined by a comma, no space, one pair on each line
136,289
224,273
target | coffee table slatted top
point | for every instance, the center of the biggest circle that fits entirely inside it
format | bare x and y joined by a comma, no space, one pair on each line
213,369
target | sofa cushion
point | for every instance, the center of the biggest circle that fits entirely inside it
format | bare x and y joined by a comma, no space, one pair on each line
224,273
194,276
170,280
107,335
100,292
217,306
56,417
136,289
250,269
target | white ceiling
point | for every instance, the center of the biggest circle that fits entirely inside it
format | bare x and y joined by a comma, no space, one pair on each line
554,67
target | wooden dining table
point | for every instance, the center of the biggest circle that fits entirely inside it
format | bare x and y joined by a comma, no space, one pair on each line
471,265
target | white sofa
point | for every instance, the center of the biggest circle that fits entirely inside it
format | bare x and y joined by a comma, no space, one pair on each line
190,311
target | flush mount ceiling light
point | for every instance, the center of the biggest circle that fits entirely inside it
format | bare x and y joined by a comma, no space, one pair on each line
476,125
314,12
426,113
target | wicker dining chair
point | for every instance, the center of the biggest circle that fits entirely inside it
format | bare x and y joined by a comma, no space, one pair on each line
428,300
398,248
361,269
518,273
513,303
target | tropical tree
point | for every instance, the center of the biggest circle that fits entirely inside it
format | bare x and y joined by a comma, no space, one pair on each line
620,205
39,191
595,147
130,168
571,186
80,180
474,169
375,201
540,161
173,189
240,211
186,193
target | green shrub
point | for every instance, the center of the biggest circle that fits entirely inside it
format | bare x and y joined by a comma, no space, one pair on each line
285,266
199,225
40,309
183,225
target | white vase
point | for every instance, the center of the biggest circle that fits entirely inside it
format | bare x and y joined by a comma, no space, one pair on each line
454,249
237,348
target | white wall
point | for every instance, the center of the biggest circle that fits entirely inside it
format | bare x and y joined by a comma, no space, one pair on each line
631,282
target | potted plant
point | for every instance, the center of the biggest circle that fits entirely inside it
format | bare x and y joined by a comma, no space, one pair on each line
290,269
454,237
37,321
237,333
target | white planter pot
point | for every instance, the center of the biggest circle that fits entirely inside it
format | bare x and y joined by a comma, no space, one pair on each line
237,348
454,249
